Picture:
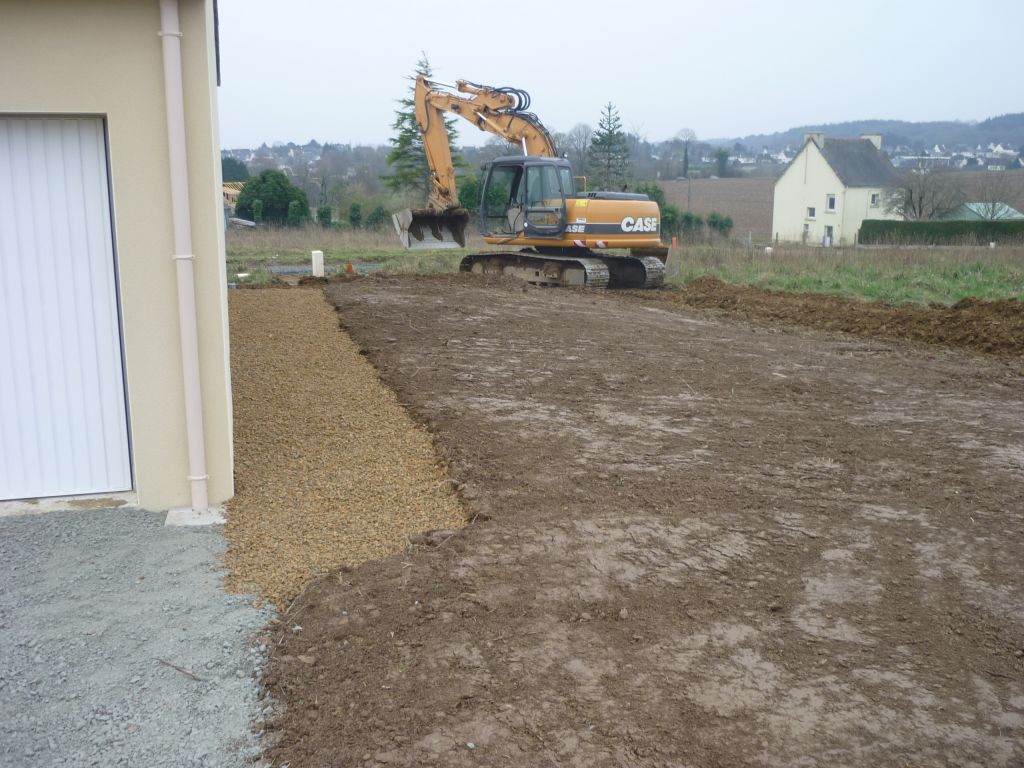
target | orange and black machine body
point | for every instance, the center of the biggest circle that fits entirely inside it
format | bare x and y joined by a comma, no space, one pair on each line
530,202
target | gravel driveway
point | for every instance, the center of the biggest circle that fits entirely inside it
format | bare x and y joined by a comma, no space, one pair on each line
95,608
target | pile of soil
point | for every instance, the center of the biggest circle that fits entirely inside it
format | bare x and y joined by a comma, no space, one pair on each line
329,468
995,327
698,541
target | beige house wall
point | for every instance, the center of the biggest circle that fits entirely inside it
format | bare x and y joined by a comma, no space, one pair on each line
103,57
807,182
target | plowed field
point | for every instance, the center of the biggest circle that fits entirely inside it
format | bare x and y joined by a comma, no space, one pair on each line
700,538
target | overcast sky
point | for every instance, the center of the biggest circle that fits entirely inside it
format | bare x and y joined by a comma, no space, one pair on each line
331,71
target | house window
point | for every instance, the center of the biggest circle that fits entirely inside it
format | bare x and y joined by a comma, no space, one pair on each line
830,202
810,212
875,198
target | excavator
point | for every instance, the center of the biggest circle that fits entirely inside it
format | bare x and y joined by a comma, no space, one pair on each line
549,232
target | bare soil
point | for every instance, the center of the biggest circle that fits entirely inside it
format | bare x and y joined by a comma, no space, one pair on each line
747,200
699,541
995,327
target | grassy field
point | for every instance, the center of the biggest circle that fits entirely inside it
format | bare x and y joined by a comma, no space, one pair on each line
896,275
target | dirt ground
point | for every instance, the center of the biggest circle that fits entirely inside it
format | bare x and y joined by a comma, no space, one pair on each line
995,327
698,541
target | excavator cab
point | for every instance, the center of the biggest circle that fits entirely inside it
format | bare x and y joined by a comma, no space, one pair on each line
525,197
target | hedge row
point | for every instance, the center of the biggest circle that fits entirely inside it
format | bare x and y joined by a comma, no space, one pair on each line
887,232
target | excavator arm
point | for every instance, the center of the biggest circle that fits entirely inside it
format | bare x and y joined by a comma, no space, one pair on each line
501,111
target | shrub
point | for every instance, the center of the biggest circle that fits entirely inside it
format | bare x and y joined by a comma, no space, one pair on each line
720,223
691,223
671,221
377,218
323,215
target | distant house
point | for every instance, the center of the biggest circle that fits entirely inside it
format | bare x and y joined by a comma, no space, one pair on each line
829,188
984,212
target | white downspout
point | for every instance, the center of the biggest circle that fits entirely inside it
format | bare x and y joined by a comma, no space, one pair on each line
170,37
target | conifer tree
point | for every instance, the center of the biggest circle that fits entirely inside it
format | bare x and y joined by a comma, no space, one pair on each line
407,160
609,152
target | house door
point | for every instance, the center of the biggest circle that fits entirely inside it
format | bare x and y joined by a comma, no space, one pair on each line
828,241
62,394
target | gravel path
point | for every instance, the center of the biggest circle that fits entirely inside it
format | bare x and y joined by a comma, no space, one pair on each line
95,607
329,468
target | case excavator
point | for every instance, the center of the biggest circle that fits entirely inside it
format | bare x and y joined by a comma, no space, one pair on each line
548,232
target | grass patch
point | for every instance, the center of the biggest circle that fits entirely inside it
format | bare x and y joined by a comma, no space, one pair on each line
894,275
916,275
255,251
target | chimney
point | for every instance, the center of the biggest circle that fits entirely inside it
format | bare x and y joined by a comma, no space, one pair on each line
874,138
818,137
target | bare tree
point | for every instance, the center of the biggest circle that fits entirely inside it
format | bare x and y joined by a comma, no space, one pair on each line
992,191
578,145
924,194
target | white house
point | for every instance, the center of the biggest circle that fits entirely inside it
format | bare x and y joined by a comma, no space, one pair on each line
829,188
114,375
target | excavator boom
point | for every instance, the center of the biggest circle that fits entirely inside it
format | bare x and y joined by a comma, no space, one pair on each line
501,111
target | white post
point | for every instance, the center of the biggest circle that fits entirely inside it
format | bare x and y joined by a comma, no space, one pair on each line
318,263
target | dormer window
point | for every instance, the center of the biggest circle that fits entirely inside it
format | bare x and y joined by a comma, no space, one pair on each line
830,202
810,212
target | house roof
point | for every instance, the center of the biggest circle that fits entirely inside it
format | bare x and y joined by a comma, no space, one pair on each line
996,211
858,164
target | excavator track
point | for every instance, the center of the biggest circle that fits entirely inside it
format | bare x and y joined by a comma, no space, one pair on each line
540,269
591,270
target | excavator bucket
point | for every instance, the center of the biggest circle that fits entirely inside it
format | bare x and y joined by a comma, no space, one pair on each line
422,228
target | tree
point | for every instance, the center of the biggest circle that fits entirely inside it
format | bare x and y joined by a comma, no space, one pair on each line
275,192
578,145
295,215
722,161
687,136
653,191
469,191
609,151
232,169
355,215
408,163
923,194
323,215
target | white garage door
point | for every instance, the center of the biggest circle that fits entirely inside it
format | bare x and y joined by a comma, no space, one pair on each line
62,402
